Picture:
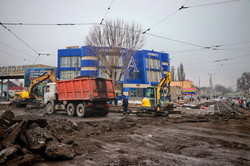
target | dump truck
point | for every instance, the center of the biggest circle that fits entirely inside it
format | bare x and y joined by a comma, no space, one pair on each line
80,96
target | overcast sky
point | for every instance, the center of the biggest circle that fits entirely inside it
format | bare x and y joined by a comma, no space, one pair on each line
185,34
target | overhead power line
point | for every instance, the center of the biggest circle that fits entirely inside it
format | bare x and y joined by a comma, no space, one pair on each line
14,55
210,4
38,54
19,38
238,43
182,7
219,60
106,12
48,24
215,47
17,50
178,41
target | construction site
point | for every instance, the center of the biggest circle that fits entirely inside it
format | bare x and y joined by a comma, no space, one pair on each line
188,136
124,83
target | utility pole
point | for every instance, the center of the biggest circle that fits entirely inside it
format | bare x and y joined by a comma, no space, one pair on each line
211,83
199,86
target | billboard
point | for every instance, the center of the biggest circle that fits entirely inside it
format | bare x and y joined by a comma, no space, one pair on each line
189,91
33,73
12,70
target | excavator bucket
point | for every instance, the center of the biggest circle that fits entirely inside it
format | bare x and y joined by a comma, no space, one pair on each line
168,106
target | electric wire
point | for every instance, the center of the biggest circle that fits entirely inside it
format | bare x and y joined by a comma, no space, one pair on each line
19,38
238,43
210,4
178,41
19,51
166,38
219,60
183,51
22,41
106,12
219,65
160,22
165,18
48,24
216,47
232,50
5,52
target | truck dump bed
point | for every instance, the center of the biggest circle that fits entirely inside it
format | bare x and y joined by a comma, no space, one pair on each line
87,88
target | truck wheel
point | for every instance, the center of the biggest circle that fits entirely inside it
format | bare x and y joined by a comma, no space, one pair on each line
80,110
50,108
71,110
105,112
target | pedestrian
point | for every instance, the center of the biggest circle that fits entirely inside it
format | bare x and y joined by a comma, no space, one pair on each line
247,104
232,104
125,105
116,101
199,99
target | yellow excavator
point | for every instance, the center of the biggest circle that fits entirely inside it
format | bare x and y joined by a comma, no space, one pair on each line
24,98
155,102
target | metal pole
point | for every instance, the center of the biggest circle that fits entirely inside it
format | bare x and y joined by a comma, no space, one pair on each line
1,89
8,97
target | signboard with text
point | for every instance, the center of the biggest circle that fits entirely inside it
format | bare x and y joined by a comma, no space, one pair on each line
33,73
12,70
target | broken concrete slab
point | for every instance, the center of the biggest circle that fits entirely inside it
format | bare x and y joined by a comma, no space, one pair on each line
6,119
59,151
30,119
13,132
28,159
35,138
4,154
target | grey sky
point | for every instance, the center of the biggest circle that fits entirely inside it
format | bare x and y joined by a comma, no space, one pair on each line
221,24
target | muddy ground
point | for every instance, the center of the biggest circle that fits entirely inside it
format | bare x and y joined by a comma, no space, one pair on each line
219,139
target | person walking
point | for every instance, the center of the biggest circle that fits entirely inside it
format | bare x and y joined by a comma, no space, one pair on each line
125,105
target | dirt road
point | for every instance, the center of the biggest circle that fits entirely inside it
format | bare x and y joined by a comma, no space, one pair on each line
157,141
130,140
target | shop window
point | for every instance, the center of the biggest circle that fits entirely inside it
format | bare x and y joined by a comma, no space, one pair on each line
135,93
110,60
69,74
70,61
153,63
103,74
154,76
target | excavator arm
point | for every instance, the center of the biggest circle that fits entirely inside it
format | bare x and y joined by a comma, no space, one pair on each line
159,91
45,76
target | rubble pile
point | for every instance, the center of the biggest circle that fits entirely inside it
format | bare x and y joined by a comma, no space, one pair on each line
24,142
29,139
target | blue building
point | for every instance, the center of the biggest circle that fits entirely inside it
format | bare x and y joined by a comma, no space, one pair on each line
145,69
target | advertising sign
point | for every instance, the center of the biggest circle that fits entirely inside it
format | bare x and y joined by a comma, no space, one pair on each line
33,73
12,70
189,91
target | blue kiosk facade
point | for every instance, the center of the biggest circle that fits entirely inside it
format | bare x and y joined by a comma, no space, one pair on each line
145,69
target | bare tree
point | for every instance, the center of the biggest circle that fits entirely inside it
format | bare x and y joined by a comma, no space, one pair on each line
222,89
243,82
180,73
114,43
173,73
